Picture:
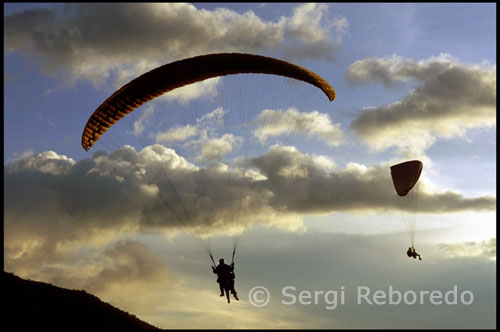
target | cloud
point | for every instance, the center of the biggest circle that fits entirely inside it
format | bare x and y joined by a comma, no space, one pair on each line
177,134
485,249
388,71
207,88
450,99
117,273
97,42
202,136
53,203
276,123
149,124
302,185
45,162
125,262
67,227
216,148
126,269
21,155
309,32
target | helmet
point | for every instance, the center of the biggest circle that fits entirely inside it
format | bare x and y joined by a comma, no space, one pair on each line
221,260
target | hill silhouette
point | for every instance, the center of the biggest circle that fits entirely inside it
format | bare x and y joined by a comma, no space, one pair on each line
40,306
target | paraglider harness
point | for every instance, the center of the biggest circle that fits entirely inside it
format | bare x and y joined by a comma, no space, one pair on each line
412,253
225,276
213,261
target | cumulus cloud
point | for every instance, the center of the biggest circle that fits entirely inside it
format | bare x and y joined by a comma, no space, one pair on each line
449,99
309,31
95,200
51,210
208,138
276,123
302,185
177,134
389,71
97,42
46,162
155,124
202,136
216,148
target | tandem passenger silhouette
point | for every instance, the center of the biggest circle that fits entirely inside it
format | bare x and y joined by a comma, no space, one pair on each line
225,278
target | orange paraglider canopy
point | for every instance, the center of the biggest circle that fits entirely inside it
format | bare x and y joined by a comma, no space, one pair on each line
183,72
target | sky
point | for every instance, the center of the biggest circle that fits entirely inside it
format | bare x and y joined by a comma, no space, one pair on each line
302,185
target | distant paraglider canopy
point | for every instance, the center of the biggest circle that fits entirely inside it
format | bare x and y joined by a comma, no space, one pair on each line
183,72
405,177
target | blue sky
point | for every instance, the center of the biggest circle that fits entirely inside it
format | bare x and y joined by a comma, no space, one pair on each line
413,81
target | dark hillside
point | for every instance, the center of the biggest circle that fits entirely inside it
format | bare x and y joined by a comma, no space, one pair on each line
40,306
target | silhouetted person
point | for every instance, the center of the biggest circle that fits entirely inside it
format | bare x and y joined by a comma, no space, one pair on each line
415,255
412,253
225,278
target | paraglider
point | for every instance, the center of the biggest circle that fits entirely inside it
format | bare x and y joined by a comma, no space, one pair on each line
405,177
182,73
